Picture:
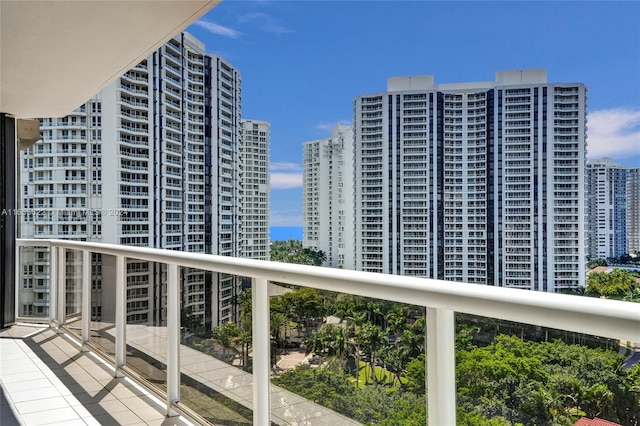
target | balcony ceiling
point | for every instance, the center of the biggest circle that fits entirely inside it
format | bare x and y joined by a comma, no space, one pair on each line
55,55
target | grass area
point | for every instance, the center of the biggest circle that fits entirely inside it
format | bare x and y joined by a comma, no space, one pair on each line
383,376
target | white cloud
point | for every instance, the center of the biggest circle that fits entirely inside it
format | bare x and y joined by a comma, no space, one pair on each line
277,29
329,126
286,180
252,16
285,218
613,133
265,22
218,29
324,126
285,166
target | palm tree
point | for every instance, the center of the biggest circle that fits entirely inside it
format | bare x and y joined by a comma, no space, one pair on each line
411,344
601,396
223,336
244,302
329,342
315,344
374,313
374,338
279,325
317,257
354,321
243,340
396,320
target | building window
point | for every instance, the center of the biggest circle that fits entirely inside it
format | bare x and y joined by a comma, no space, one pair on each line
27,310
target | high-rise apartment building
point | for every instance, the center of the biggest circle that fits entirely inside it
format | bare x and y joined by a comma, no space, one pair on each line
633,210
606,209
473,182
255,137
223,84
327,192
153,160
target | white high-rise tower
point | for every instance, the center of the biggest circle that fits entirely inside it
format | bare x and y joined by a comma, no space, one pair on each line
255,189
606,209
473,182
153,160
327,192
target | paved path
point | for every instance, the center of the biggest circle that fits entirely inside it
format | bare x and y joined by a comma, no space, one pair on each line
292,358
287,408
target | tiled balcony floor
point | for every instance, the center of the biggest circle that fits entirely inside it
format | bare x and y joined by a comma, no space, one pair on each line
46,380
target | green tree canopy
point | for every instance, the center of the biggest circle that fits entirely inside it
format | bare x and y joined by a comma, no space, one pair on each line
615,285
291,251
594,263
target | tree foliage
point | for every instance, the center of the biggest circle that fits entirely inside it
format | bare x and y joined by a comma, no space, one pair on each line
189,322
304,306
501,380
546,383
291,251
594,263
619,284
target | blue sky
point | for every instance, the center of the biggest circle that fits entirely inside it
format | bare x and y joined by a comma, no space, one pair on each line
303,63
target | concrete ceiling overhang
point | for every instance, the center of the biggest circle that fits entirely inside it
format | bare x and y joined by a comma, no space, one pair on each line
56,54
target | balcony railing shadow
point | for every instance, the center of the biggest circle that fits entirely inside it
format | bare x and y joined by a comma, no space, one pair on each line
86,383
8,416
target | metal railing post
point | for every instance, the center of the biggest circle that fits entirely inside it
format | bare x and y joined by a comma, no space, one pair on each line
121,315
85,313
173,338
53,286
261,352
62,286
441,363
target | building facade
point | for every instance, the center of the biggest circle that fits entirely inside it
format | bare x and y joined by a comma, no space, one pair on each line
606,209
255,137
633,210
327,191
472,182
153,160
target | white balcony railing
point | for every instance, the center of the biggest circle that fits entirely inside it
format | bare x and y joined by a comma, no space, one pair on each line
606,318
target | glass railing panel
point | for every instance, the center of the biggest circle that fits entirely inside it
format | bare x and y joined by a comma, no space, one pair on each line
33,288
103,302
509,370
216,380
343,359
73,291
146,319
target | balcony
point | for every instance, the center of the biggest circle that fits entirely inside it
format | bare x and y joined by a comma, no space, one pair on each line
155,354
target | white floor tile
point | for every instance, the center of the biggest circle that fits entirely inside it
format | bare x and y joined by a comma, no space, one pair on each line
34,394
11,378
18,386
41,405
58,415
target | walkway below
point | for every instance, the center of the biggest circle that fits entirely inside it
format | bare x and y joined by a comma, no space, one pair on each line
287,408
